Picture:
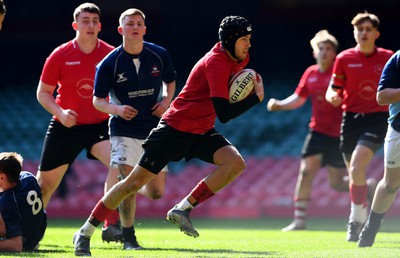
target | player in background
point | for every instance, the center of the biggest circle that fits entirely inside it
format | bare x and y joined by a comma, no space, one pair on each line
134,88
353,86
386,191
3,12
187,130
321,146
23,220
76,125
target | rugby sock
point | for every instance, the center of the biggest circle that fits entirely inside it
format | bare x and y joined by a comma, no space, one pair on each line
358,196
375,220
100,213
112,219
129,234
300,210
201,193
184,205
87,229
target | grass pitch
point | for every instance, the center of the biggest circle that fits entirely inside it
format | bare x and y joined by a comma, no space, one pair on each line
225,238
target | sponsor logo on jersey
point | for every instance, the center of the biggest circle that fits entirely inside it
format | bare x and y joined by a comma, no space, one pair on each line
378,69
155,71
354,65
312,79
73,63
84,88
121,77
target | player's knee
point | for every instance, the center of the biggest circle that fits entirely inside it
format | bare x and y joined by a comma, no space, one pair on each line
335,185
47,187
155,195
391,189
237,163
304,173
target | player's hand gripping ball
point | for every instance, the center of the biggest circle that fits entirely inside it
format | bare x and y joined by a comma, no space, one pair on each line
241,85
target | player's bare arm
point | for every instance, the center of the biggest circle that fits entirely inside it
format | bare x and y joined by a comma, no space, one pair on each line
3,230
259,87
125,111
292,102
44,94
13,244
168,92
333,95
388,96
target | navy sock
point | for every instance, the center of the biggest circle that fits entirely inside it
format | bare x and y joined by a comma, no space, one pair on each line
129,234
375,220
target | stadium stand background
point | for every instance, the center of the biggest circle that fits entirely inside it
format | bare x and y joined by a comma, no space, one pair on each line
270,142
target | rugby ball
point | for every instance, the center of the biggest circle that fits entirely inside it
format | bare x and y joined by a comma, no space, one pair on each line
241,85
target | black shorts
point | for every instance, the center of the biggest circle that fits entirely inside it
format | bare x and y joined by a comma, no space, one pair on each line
165,144
62,145
367,128
318,143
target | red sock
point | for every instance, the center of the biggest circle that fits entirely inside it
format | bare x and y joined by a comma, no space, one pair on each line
300,208
358,194
101,212
112,219
201,193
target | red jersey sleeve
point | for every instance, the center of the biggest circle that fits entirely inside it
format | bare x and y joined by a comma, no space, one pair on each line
51,72
302,90
338,73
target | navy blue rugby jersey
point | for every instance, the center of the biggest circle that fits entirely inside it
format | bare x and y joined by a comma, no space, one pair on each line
117,78
22,210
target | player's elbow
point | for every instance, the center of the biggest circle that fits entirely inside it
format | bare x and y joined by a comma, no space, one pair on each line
381,99
96,102
14,244
224,119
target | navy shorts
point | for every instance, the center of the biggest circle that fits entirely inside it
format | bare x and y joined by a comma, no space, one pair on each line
318,143
367,128
62,145
165,144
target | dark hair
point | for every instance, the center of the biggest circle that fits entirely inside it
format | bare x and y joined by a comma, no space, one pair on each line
232,28
86,7
3,9
11,165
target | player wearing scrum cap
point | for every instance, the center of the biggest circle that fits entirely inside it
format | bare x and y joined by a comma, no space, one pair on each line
186,130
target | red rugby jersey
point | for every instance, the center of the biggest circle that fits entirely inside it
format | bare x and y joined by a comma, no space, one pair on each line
325,118
73,71
359,75
192,110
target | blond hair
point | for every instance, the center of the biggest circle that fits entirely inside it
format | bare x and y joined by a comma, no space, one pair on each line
130,12
323,36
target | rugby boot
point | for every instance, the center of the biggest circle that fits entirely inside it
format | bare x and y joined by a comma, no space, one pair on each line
182,220
81,245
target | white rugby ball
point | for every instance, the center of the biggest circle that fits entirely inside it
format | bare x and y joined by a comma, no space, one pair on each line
241,85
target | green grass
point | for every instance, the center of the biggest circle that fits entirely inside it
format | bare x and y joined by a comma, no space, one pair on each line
226,238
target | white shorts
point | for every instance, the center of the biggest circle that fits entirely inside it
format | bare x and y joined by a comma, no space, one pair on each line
392,148
126,151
